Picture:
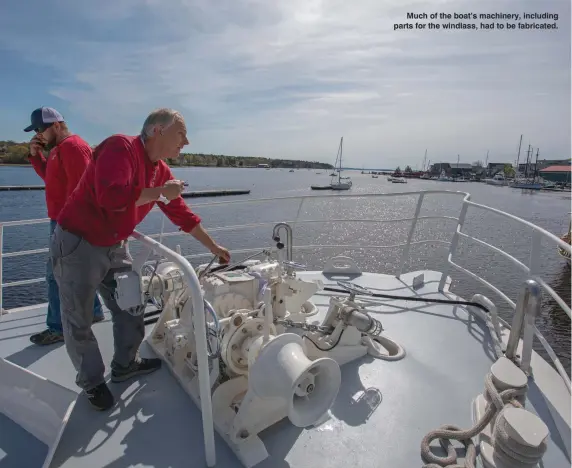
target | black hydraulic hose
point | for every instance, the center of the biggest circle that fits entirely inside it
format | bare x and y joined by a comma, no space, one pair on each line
416,299
153,319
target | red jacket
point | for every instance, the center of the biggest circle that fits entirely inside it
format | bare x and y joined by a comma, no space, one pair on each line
62,171
102,210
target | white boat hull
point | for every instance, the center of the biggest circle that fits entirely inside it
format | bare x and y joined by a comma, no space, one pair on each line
495,182
342,186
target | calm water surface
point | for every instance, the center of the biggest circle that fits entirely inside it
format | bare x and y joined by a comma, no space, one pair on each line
548,210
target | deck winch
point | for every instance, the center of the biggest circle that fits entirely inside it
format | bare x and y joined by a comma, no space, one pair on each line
267,360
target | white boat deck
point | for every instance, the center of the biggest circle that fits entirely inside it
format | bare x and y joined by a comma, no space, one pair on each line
381,414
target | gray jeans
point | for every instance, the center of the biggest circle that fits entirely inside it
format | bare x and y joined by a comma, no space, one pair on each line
80,270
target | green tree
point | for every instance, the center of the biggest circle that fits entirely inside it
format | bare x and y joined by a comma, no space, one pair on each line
508,170
15,154
12,152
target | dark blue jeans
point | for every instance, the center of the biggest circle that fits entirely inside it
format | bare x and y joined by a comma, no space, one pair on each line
54,318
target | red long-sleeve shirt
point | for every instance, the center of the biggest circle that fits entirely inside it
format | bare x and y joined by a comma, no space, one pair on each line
102,210
62,170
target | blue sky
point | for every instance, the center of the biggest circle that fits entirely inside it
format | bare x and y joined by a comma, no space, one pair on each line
287,79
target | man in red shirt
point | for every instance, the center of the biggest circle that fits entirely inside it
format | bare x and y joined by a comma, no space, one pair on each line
128,176
69,156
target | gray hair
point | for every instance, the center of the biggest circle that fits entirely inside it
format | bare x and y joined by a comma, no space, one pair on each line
159,117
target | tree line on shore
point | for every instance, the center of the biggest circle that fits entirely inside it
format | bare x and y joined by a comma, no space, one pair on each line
12,152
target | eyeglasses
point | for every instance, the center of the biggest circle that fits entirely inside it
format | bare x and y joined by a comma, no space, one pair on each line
43,128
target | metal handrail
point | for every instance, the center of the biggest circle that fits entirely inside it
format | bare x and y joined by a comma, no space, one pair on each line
537,235
199,322
531,287
531,270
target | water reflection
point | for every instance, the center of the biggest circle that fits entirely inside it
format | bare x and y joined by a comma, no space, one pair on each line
554,321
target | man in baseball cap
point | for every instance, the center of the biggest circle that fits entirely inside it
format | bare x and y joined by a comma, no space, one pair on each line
69,156
43,118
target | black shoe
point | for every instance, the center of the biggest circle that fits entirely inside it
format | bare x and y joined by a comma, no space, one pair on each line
47,337
137,367
98,318
100,397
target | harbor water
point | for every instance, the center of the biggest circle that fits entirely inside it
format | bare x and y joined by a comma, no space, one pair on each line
545,209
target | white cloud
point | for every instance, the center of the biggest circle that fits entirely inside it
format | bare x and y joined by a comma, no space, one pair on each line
287,79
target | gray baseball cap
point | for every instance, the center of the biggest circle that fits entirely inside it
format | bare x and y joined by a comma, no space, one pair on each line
42,117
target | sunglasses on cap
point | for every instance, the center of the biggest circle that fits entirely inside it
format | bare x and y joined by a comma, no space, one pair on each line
43,128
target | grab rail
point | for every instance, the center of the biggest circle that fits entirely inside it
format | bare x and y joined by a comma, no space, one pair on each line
199,320
531,289
531,271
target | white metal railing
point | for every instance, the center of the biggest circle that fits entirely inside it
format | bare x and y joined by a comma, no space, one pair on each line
531,270
420,195
199,322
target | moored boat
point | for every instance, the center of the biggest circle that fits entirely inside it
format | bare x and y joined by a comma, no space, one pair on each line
498,179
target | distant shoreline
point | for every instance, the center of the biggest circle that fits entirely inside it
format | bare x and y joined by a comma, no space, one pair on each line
196,165
16,154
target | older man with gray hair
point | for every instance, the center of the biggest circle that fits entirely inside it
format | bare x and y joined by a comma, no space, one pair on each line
126,179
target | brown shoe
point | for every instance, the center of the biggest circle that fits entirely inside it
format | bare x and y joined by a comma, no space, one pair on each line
47,337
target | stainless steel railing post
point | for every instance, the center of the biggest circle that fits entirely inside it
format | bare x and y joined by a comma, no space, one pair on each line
526,311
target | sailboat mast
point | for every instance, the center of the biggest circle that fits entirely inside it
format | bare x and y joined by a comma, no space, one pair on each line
518,155
527,161
341,151
487,164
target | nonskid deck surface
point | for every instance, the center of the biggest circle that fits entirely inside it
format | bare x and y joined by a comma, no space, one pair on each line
381,414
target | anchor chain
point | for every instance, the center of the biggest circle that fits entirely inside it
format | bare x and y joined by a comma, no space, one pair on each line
288,323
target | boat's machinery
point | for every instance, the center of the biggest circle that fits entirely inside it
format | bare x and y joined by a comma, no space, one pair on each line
268,360
260,370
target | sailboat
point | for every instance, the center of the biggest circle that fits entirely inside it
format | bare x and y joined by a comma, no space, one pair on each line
528,182
342,183
347,183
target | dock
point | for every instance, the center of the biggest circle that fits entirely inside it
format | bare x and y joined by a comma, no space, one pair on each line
193,194
213,193
4,188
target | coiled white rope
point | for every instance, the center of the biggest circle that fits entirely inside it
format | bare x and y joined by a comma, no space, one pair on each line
512,453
